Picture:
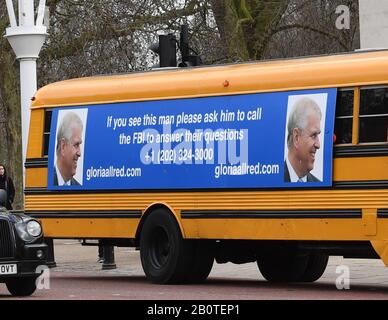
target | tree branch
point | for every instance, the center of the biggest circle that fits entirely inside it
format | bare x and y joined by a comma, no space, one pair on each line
313,29
112,32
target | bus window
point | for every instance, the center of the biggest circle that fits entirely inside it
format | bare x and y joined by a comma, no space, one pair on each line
373,115
344,117
46,131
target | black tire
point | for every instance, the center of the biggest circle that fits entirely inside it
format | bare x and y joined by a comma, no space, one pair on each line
165,255
283,265
202,264
21,287
316,266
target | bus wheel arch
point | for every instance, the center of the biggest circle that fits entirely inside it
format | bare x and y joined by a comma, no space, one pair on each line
147,213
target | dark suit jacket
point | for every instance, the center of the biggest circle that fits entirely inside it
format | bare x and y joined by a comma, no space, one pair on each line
73,182
310,177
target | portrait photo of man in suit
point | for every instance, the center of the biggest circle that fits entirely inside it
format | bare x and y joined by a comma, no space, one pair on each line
303,141
68,150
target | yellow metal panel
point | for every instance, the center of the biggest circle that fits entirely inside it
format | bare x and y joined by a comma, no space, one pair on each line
242,200
255,229
360,169
36,177
356,113
284,75
291,229
381,247
90,228
276,229
369,220
35,135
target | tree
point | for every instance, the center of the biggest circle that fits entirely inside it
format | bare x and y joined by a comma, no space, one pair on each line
309,28
246,26
257,29
10,116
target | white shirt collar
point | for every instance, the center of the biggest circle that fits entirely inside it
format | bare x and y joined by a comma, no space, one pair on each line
293,176
61,182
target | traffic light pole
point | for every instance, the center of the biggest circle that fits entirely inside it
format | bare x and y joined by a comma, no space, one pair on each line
166,49
188,60
184,41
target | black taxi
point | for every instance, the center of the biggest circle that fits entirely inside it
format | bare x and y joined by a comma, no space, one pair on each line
22,250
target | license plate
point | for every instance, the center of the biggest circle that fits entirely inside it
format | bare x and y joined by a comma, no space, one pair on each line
8,268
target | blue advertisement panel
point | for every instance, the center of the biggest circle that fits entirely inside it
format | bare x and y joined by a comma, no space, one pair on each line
268,140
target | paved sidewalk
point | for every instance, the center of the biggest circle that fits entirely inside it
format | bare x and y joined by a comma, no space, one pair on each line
71,256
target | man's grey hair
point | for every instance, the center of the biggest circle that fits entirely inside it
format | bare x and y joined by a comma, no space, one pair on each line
69,122
299,115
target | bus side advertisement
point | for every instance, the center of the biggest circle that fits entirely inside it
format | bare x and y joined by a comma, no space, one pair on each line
227,142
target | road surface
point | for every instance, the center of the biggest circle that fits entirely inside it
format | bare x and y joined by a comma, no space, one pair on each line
78,276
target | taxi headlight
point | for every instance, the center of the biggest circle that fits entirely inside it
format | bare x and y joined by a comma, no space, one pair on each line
33,228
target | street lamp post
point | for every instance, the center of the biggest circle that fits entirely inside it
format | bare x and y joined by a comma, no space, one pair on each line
26,39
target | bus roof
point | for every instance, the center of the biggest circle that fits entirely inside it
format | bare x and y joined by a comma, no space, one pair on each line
344,70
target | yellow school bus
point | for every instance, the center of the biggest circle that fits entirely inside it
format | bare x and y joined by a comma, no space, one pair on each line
189,165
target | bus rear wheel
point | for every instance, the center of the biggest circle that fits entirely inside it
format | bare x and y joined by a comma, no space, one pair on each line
165,255
316,266
284,266
202,261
